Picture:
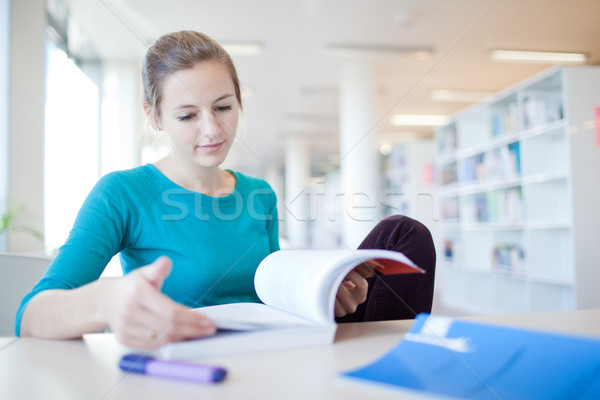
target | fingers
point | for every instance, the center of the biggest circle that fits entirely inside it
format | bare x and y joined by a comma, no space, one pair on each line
137,333
158,327
352,293
339,310
359,282
157,272
149,328
173,322
143,317
345,302
349,284
191,324
365,270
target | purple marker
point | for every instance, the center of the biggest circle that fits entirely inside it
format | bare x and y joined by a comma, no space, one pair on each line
172,369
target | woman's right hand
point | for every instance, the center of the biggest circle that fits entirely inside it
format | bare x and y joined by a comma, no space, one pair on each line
142,316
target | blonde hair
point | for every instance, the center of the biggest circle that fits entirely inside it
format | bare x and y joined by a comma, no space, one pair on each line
177,51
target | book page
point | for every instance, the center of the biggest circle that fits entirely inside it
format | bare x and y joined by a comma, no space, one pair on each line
234,316
305,282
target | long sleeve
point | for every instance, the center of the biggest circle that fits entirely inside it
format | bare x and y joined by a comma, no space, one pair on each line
97,235
215,243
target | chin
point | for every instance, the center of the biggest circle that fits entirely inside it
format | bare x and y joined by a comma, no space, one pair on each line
212,163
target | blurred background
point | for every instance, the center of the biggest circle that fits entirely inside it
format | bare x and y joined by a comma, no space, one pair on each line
342,99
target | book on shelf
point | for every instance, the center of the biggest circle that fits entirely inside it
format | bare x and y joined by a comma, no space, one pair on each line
450,209
538,110
499,164
449,174
503,121
447,139
298,289
509,259
505,206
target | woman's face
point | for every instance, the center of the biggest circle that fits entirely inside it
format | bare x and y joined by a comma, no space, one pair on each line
199,113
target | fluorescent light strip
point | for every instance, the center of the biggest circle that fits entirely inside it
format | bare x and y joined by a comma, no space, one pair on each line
537,56
420,53
459,96
418,120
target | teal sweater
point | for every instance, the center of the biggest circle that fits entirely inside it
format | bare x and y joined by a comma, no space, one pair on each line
215,243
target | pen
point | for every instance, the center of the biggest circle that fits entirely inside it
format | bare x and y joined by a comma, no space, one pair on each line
172,369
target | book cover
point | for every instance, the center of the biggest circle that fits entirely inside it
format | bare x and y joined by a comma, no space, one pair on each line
483,361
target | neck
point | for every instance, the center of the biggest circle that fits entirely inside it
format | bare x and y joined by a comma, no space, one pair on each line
212,181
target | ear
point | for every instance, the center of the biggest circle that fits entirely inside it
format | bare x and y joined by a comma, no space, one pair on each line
152,116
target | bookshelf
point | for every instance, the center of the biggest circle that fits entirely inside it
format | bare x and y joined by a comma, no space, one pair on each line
409,186
519,193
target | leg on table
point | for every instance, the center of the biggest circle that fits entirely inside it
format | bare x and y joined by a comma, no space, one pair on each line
399,296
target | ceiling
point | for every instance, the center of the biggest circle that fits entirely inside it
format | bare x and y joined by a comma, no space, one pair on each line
292,85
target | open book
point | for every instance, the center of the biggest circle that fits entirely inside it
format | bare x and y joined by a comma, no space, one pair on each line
298,289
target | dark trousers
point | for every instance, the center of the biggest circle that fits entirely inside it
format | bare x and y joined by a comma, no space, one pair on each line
399,296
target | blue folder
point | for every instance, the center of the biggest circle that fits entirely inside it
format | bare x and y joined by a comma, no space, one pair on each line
472,360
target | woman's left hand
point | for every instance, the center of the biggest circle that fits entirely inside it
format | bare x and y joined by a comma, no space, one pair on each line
351,293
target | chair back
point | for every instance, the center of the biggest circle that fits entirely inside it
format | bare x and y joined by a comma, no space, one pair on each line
18,274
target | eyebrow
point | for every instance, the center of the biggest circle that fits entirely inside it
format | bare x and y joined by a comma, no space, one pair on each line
184,106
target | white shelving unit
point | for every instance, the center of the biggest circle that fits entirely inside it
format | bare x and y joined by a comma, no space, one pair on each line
519,178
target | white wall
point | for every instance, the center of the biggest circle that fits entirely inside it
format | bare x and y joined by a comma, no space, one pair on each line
26,118
582,94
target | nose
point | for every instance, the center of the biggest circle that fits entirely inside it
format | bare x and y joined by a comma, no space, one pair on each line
210,125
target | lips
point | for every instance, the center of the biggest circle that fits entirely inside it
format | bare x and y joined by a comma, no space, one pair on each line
211,148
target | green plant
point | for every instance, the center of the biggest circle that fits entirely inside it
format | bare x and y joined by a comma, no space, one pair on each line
11,221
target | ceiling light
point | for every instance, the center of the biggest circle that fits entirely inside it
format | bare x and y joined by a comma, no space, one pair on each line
399,137
537,56
353,50
418,120
459,96
242,48
385,149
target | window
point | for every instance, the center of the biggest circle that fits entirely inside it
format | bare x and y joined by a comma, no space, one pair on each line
4,99
71,143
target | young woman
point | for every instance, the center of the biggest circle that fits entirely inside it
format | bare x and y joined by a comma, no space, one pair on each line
188,232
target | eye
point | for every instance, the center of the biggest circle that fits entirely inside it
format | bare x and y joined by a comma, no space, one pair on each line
223,108
186,117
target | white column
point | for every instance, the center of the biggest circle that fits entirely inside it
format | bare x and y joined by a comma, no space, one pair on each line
297,172
120,115
26,116
358,152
